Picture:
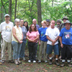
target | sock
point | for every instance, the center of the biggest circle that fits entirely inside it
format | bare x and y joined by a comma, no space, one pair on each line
50,58
63,60
56,58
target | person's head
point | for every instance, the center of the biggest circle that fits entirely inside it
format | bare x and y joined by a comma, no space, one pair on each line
58,22
7,17
52,24
17,22
25,23
43,24
21,22
34,21
64,19
67,24
32,28
48,22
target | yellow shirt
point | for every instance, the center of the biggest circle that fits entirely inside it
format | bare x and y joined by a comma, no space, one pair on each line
18,34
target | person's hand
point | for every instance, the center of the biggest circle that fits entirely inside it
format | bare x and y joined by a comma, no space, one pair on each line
20,42
53,42
39,43
61,45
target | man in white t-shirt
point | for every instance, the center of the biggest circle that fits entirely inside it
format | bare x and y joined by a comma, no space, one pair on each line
6,32
52,34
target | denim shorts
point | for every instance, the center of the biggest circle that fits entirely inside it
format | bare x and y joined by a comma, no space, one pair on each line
50,48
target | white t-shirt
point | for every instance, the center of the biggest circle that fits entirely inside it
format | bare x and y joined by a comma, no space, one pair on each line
6,31
53,34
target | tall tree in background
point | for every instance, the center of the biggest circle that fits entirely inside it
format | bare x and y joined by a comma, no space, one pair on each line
15,7
39,11
10,8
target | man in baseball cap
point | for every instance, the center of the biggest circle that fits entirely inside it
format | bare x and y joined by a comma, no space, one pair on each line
6,32
66,43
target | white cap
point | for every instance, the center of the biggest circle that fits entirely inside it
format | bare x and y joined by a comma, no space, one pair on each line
17,20
7,15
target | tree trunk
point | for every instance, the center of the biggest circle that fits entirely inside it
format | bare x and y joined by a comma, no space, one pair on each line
15,7
10,8
39,11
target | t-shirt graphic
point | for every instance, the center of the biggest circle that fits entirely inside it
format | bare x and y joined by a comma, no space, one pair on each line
67,35
42,34
8,28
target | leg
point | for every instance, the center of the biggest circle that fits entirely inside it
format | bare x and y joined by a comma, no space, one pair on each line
30,50
15,50
34,51
10,51
45,56
3,48
40,51
56,52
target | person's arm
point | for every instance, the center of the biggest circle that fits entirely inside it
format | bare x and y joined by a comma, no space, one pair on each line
36,38
49,38
14,34
60,39
29,39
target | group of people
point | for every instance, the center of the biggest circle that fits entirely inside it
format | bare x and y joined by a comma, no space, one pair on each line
52,36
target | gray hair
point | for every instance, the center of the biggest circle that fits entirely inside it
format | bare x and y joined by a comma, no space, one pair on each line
17,20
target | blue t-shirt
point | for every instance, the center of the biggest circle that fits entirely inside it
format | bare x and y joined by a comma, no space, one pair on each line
42,32
66,36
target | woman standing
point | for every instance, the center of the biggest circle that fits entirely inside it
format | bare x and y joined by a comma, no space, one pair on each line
32,36
24,31
42,42
17,38
26,25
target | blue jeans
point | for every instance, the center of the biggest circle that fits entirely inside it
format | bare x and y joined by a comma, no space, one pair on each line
22,52
16,49
50,48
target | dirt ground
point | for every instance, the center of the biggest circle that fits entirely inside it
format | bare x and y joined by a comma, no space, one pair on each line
32,67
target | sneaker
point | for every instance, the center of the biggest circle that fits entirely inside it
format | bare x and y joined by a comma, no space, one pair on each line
57,63
19,62
29,61
16,62
46,61
2,61
62,64
39,61
34,61
24,58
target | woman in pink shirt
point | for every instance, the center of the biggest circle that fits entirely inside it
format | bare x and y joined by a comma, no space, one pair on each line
32,36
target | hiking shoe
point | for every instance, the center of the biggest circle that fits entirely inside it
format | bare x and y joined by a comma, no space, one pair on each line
62,64
57,63
34,61
10,61
29,61
16,62
50,62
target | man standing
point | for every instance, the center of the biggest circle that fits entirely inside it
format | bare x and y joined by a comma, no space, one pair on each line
6,32
64,20
66,43
52,34
35,22
48,22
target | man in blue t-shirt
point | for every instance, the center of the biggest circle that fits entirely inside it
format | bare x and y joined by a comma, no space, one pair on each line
66,43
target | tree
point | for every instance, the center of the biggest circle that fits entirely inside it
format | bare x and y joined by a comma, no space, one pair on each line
15,7
10,8
39,11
